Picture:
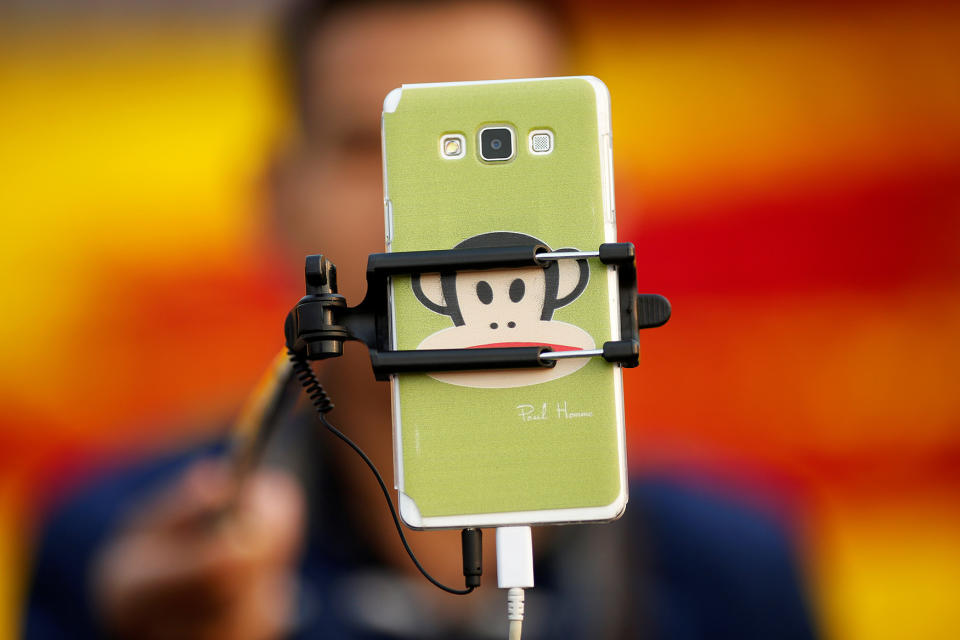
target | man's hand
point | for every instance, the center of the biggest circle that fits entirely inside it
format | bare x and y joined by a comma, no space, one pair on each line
187,568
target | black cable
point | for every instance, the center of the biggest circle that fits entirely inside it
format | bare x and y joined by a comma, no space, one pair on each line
321,401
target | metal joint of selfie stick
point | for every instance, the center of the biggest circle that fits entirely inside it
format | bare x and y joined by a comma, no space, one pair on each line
321,321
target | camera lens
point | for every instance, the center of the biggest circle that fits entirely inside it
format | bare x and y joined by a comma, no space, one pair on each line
496,143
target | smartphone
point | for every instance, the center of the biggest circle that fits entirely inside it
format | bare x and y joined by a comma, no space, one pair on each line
473,164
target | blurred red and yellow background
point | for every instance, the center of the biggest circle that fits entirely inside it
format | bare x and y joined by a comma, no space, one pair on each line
790,174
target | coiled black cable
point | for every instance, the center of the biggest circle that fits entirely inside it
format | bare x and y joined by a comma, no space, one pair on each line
321,401
314,390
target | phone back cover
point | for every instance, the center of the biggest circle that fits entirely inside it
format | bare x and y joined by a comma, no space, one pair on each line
504,442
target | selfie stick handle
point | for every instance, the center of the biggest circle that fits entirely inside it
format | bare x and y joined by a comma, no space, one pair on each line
257,420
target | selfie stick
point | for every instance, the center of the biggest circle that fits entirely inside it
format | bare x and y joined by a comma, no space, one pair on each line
317,327
321,322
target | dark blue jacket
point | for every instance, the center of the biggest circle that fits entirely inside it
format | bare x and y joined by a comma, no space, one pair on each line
681,565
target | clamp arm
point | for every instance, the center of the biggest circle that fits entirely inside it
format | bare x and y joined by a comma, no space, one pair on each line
321,321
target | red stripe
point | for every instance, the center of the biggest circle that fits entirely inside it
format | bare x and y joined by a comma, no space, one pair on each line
555,347
870,237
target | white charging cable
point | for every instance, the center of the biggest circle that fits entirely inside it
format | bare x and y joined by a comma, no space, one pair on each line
514,571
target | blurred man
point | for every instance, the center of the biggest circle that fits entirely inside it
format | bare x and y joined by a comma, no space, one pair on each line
310,550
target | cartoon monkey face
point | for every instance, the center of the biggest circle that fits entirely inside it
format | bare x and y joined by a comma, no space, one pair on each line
506,308
505,303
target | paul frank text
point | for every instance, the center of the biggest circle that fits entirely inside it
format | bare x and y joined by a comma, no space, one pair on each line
550,411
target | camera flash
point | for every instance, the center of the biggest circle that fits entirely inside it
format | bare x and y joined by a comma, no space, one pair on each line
541,142
452,146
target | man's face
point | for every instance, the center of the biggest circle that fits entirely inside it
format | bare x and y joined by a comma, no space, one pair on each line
330,197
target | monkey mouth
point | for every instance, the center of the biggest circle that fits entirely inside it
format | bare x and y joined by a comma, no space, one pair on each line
552,347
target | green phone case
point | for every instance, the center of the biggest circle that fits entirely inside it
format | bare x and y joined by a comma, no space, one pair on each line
505,447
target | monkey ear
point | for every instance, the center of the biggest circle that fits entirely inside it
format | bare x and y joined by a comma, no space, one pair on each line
429,291
573,278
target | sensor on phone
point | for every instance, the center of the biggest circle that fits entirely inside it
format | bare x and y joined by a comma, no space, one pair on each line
541,142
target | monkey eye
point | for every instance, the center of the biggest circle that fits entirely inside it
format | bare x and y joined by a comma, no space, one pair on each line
484,292
517,289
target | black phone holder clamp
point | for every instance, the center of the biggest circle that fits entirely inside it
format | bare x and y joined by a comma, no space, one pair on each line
318,325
